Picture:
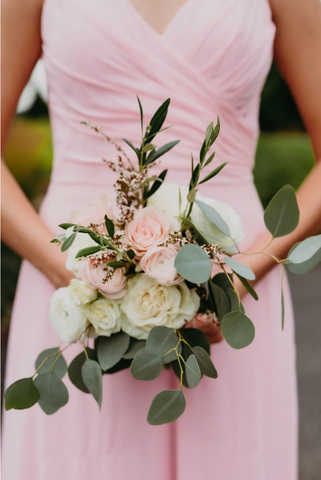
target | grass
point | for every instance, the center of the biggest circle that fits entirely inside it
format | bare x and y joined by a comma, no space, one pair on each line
281,158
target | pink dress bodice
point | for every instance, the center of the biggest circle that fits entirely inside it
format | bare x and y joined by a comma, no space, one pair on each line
211,60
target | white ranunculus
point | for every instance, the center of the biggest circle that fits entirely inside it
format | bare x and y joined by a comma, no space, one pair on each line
81,241
167,198
212,233
148,304
104,315
68,319
81,293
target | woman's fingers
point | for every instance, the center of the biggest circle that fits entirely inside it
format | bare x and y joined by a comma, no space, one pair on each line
205,323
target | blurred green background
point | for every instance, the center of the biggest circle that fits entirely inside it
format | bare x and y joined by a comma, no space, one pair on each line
284,156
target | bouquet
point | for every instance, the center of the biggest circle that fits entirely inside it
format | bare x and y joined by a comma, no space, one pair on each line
143,266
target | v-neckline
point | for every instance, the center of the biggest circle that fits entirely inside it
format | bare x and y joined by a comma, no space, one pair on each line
147,25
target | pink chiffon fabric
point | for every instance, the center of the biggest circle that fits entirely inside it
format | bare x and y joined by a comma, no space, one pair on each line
211,60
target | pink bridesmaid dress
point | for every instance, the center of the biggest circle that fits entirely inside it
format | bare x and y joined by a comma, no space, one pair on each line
211,60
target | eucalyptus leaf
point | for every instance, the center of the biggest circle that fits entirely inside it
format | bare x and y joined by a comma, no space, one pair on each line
213,173
248,287
221,301
213,216
239,269
147,365
195,337
134,347
205,362
60,367
161,339
281,216
193,372
235,305
305,250
222,280
84,252
74,369
21,394
166,407
53,392
111,349
92,377
305,267
68,242
237,329
193,264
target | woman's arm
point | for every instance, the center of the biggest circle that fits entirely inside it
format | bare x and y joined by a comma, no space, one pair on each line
298,55
22,228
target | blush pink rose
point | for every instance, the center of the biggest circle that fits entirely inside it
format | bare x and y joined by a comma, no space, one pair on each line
158,263
94,212
114,288
149,227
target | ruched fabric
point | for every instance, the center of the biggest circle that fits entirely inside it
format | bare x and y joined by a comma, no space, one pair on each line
211,61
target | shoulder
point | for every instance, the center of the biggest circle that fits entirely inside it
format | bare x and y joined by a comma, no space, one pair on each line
295,10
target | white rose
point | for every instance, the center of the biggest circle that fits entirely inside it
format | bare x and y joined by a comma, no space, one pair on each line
81,293
81,241
167,198
212,233
148,304
104,315
68,319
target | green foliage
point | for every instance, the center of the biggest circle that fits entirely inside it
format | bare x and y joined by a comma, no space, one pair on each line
21,394
87,251
239,269
147,365
134,347
214,217
92,377
74,369
195,337
110,227
305,250
238,330
281,216
110,350
205,362
248,287
193,372
53,392
68,242
166,407
193,264
219,301
57,363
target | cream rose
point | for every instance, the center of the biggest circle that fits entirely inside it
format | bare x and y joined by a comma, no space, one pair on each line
81,241
167,198
158,263
104,316
212,233
114,288
68,319
81,293
94,212
149,227
148,304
